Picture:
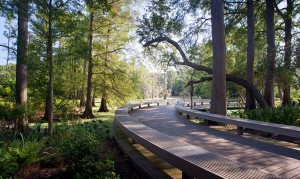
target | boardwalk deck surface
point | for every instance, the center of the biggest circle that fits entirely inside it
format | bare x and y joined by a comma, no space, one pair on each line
276,159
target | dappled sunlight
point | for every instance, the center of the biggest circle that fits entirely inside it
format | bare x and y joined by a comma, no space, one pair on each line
164,119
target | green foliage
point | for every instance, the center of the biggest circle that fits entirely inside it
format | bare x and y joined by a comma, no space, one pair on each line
7,83
79,146
157,22
288,115
17,154
6,110
10,111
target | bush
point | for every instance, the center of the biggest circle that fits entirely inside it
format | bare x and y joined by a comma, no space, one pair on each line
10,111
288,115
17,154
79,146
6,110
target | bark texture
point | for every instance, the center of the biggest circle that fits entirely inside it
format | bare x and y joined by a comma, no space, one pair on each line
250,102
271,53
103,106
22,55
218,96
88,112
287,52
82,97
49,98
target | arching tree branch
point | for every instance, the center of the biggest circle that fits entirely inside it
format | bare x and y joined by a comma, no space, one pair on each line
240,81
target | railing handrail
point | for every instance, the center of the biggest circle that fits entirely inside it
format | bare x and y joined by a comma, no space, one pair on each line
191,160
292,131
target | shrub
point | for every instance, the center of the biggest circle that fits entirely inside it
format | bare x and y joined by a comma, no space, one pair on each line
79,146
16,155
287,114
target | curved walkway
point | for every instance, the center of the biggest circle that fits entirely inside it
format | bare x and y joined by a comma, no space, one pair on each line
272,158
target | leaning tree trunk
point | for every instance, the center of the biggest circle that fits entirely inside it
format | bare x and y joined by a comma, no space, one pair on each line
22,54
271,53
218,98
287,53
103,106
250,102
49,98
88,112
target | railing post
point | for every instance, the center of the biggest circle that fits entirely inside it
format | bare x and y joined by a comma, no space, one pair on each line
186,176
239,130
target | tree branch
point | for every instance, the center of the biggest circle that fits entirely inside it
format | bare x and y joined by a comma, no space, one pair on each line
5,46
248,85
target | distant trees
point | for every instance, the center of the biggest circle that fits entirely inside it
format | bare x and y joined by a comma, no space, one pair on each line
52,55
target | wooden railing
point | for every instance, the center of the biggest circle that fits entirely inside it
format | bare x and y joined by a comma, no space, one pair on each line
282,129
191,160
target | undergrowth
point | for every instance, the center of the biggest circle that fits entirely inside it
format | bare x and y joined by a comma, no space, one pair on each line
287,114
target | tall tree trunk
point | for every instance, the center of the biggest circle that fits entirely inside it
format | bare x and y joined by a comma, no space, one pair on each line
94,98
218,99
271,53
49,98
287,53
88,112
22,55
103,105
82,97
250,102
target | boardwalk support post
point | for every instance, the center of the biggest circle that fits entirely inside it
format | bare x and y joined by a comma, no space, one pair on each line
186,176
239,130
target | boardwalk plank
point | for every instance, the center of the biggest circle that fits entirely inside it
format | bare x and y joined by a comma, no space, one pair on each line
268,157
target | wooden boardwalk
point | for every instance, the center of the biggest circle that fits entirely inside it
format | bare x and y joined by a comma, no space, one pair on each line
276,159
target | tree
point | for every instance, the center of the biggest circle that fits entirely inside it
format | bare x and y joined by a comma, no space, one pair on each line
288,26
88,111
218,99
250,102
22,54
50,15
271,54
148,33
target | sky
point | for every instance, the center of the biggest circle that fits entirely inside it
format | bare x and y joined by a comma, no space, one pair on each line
3,40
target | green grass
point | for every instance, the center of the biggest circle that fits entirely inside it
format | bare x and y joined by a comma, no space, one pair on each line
106,117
